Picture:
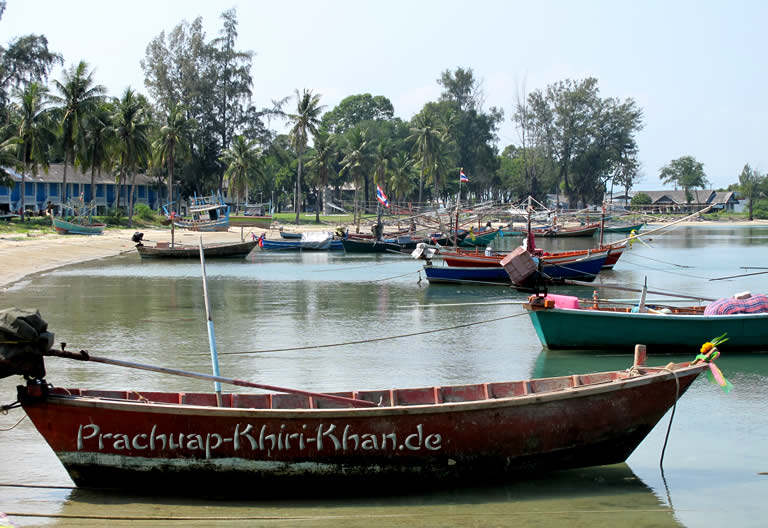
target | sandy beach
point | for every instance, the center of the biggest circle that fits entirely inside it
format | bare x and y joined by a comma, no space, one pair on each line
26,255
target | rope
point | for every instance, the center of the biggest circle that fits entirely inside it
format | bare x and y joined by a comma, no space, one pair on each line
670,272
672,416
353,267
395,277
363,341
14,426
662,261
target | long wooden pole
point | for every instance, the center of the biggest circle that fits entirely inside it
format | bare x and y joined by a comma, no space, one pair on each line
624,288
211,333
85,356
665,226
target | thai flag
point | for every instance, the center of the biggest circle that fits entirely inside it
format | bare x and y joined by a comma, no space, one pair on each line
463,177
380,196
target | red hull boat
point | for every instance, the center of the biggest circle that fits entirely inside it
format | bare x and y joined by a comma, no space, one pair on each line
259,443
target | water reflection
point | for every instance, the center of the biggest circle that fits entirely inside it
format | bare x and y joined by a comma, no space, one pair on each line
609,495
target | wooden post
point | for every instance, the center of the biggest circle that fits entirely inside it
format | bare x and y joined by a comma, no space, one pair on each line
640,355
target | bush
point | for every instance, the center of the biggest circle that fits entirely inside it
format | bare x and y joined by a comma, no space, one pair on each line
114,217
144,212
641,199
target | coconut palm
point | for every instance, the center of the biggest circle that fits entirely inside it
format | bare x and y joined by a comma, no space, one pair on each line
355,160
401,176
9,149
242,160
78,94
323,163
305,121
131,131
97,135
426,134
34,131
175,137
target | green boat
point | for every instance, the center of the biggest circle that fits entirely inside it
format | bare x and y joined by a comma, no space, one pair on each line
681,330
480,239
64,227
623,228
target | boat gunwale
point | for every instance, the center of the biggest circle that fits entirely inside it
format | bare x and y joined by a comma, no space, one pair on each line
592,312
654,375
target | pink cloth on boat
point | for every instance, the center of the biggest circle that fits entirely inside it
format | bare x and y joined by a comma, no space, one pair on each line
564,301
729,305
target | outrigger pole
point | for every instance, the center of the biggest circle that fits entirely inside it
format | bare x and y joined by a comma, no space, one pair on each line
211,333
83,355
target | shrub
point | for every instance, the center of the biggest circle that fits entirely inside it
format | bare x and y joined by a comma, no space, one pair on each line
641,199
144,212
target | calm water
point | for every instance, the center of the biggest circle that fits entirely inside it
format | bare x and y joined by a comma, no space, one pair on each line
273,311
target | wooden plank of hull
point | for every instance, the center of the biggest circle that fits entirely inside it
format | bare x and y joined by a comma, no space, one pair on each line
586,329
112,443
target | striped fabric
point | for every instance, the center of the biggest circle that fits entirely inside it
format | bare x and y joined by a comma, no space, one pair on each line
729,305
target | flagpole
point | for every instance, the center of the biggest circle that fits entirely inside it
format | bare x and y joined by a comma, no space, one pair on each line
458,206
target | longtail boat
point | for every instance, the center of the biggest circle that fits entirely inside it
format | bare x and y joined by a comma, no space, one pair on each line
309,241
482,238
183,251
583,268
290,439
178,440
64,227
466,258
568,325
626,228
562,232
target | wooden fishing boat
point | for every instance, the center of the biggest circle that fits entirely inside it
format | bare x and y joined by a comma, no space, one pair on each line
584,268
253,217
624,228
562,232
309,241
482,238
206,214
661,328
391,245
283,443
64,227
182,251
466,258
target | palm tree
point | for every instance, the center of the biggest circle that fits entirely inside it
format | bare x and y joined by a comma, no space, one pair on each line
175,136
323,162
401,176
355,160
131,129
9,149
78,94
34,132
242,159
426,134
98,133
305,120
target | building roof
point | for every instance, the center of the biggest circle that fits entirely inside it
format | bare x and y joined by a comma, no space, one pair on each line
678,197
55,174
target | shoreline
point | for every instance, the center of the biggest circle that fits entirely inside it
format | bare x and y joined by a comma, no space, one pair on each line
24,256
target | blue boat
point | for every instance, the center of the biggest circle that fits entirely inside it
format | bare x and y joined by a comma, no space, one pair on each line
320,241
585,269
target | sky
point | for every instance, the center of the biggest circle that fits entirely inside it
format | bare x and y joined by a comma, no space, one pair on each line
696,68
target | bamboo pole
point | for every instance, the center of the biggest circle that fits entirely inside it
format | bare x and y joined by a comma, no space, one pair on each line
665,226
85,356
211,333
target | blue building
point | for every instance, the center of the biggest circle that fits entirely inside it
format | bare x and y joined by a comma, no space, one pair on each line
48,187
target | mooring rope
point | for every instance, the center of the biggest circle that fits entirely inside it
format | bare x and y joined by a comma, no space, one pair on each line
14,426
668,271
375,339
395,277
658,260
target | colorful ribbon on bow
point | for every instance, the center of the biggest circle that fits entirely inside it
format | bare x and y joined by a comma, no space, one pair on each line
709,353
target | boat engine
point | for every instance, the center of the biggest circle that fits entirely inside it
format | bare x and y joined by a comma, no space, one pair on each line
137,238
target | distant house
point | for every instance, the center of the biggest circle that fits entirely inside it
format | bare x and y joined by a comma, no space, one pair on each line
47,187
677,201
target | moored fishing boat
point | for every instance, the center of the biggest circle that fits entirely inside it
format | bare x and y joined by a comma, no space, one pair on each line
206,214
182,251
308,241
568,325
64,227
288,442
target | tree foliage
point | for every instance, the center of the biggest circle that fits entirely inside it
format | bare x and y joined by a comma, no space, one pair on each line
685,172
